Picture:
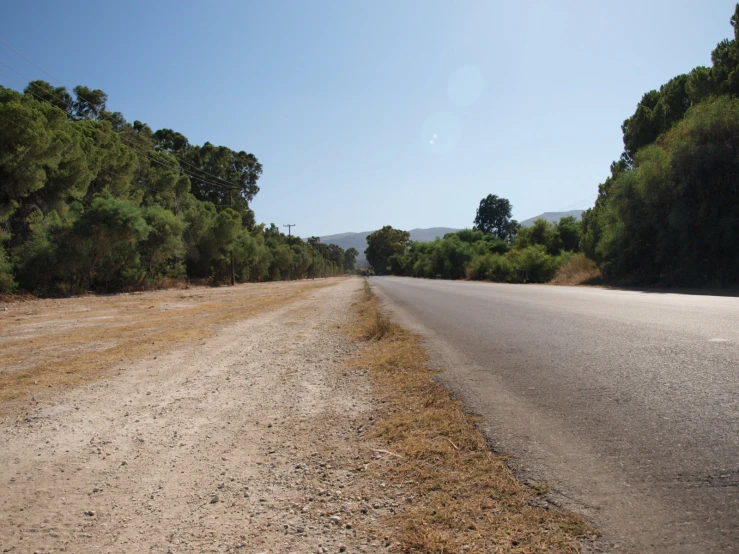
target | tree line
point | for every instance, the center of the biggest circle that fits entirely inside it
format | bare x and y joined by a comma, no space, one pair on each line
669,211
89,201
497,248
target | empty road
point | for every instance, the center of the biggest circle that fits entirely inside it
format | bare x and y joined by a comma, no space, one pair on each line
627,403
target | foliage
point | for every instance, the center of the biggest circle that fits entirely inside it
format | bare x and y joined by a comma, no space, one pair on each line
494,217
91,201
383,244
674,217
7,283
536,254
669,211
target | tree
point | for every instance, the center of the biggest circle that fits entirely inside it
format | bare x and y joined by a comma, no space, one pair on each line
540,233
58,97
569,233
163,248
7,283
674,217
88,200
350,259
384,243
90,104
494,217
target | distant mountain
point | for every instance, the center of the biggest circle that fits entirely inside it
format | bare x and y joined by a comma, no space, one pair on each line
359,240
427,235
553,217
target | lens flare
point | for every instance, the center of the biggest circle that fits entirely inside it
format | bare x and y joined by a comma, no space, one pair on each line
441,132
465,86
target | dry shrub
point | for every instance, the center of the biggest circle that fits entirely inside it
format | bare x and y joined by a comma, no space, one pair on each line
380,329
577,270
466,495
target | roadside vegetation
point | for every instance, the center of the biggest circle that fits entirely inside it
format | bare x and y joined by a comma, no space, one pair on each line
496,249
89,201
667,215
468,498
669,212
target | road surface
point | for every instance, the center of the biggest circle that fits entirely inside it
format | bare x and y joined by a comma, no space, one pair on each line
627,403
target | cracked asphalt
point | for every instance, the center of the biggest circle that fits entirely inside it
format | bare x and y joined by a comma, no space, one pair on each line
627,403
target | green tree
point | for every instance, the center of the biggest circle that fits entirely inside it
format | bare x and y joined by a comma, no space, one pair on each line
384,243
494,217
58,97
568,229
7,281
89,103
540,233
350,259
674,217
163,250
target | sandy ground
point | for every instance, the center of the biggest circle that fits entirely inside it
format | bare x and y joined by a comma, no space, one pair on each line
247,438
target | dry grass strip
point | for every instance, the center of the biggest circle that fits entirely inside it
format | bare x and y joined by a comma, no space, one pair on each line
62,343
469,499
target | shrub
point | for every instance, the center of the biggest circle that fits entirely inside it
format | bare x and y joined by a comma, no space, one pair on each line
533,264
576,270
7,283
491,267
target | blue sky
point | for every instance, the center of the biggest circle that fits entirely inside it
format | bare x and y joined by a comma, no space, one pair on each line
340,100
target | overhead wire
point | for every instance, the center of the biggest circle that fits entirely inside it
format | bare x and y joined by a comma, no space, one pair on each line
17,125
579,203
227,185
67,105
139,185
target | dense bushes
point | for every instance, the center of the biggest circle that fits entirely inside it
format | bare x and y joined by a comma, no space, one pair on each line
7,283
669,212
91,202
674,216
473,254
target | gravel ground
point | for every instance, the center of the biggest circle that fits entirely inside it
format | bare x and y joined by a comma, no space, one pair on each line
251,440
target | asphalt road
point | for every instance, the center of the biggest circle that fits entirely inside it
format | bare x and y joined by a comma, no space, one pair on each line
627,403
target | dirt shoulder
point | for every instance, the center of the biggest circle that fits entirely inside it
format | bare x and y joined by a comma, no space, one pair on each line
247,440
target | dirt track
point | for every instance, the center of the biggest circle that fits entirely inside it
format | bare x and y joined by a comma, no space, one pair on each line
244,438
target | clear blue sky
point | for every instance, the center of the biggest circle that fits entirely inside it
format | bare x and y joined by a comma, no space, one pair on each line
340,100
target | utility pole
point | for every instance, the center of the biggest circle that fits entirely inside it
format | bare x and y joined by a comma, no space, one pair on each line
290,243
233,268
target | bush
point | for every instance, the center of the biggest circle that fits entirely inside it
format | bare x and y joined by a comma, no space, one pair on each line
577,270
7,283
533,264
491,267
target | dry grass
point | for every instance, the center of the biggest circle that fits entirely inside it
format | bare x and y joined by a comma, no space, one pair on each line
64,342
578,270
468,496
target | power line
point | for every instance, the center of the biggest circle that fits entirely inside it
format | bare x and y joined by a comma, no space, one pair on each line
68,104
33,64
123,138
585,201
18,125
